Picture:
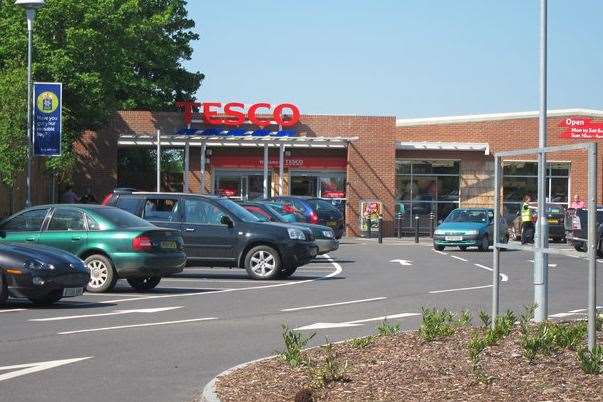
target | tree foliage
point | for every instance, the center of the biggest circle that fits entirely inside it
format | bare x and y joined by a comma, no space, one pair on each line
109,54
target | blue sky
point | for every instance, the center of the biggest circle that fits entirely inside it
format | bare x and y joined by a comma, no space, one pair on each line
407,58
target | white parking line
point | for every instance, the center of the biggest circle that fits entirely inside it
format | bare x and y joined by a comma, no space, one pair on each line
385,317
150,324
29,368
460,289
197,280
12,310
459,258
503,277
337,271
439,252
333,304
348,324
117,312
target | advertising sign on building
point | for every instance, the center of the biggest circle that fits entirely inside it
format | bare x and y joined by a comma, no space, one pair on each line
581,128
47,118
370,211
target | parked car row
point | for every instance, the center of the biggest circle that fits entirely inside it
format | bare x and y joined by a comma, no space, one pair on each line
54,251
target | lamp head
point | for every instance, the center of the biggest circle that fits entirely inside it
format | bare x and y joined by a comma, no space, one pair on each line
30,4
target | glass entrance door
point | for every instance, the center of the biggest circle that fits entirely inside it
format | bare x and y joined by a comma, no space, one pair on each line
240,185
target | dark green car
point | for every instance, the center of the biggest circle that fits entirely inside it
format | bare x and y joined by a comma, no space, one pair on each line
112,242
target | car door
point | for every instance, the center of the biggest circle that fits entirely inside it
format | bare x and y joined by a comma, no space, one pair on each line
66,229
24,227
164,211
205,237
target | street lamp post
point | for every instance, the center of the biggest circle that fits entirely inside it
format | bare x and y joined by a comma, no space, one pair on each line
30,8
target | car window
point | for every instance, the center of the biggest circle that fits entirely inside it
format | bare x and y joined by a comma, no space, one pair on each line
130,204
161,209
30,221
64,219
237,210
259,213
119,219
201,212
92,223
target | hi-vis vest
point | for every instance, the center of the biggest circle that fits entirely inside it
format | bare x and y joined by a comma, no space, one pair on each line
526,214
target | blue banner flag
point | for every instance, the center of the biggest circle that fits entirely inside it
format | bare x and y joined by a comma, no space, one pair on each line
47,116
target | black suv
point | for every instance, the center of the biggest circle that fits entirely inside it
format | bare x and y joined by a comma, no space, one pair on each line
219,232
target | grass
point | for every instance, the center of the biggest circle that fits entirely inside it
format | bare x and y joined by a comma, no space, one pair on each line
386,329
294,343
363,342
438,324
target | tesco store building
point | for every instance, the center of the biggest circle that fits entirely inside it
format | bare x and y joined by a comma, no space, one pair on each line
424,167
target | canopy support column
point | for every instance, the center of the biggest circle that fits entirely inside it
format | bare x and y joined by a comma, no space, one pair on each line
158,161
281,169
265,171
186,166
202,168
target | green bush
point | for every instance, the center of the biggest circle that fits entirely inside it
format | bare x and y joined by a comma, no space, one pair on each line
437,324
331,370
591,362
363,342
385,328
485,319
294,342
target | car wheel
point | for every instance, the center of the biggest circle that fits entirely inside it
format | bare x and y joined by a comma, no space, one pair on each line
102,274
3,290
484,245
580,247
438,248
463,248
287,272
262,262
48,299
144,283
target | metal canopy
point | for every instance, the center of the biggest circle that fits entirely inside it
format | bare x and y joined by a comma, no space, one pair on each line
443,146
236,141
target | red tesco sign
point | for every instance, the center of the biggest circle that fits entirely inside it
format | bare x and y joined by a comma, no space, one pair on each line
234,113
581,128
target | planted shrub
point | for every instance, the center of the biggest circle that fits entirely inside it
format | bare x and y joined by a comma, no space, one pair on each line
329,371
294,342
363,342
591,362
385,328
438,324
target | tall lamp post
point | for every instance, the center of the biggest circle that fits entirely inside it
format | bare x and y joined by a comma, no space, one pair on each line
30,8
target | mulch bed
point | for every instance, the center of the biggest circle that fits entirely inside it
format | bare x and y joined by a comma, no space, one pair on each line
403,367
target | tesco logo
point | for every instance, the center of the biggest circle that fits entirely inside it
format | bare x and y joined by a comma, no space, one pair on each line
234,113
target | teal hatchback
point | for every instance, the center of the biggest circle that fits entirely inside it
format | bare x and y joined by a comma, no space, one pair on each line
467,227
113,243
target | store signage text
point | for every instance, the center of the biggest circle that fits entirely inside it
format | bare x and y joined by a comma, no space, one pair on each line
235,114
581,128
293,162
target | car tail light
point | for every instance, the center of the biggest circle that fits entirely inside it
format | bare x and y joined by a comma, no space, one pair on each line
106,199
142,243
313,217
576,225
288,208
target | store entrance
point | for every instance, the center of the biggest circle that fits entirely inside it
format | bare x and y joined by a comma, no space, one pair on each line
240,185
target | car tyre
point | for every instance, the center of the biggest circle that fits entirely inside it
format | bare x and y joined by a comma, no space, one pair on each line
3,290
48,299
102,274
484,245
144,283
463,248
438,248
263,262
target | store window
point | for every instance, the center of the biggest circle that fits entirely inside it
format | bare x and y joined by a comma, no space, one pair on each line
323,185
521,178
427,186
137,168
241,185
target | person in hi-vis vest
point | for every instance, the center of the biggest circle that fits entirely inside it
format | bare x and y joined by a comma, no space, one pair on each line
527,226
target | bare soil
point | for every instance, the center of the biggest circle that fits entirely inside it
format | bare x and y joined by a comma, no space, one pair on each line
403,367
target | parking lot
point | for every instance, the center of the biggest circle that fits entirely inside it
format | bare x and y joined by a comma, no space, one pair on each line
173,339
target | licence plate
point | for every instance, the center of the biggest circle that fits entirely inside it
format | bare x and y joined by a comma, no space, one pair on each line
552,220
72,292
453,238
171,245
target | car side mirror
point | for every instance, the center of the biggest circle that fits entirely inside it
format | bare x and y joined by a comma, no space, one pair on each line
225,220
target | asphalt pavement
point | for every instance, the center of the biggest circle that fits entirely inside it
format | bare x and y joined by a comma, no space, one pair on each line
165,344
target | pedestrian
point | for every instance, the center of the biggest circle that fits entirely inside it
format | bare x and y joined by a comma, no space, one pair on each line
577,203
88,198
69,196
527,226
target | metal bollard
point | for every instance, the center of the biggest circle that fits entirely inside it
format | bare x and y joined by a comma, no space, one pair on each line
369,222
431,219
380,239
416,228
399,220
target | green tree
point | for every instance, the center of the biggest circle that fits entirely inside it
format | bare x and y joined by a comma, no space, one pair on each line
109,54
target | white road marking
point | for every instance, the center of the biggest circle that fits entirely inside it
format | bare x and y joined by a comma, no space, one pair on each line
110,294
116,312
583,309
402,262
210,280
333,304
348,324
28,368
562,315
439,252
550,265
459,258
503,277
12,310
337,271
150,324
460,289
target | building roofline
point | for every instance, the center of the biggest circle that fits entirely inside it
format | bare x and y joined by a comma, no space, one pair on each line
495,116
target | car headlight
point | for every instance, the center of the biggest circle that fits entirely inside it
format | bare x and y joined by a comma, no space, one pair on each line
328,234
36,265
470,232
439,232
296,234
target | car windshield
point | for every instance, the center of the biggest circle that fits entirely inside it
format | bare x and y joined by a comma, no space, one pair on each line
317,204
237,210
279,212
467,215
119,218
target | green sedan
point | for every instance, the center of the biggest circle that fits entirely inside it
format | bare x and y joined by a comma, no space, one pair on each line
112,242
